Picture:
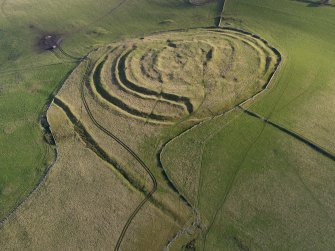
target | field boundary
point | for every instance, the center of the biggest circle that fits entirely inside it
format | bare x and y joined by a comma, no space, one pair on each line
45,125
37,188
293,134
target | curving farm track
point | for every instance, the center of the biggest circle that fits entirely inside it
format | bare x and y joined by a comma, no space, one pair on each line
119,141
126,147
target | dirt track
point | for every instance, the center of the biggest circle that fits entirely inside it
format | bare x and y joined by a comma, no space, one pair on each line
125,146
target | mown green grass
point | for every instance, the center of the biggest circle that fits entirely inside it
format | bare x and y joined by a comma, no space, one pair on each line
25,87
261,189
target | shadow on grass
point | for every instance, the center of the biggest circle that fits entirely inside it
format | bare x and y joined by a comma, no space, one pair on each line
311,3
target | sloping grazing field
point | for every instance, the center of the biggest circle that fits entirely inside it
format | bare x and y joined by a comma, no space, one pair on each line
259,188
82,205
109,83
156,70
29,77
228,179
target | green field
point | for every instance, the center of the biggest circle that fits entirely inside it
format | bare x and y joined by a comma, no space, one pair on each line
30,76
259,188
240,163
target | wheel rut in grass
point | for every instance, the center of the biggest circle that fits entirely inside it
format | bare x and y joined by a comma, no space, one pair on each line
127,148
91,144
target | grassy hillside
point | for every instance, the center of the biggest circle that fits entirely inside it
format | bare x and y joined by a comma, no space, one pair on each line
29,76
302,96
131,91
259,188
231,176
